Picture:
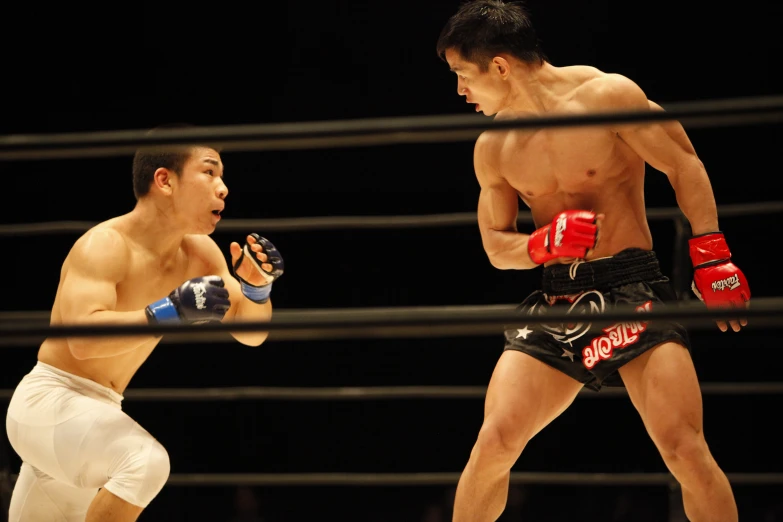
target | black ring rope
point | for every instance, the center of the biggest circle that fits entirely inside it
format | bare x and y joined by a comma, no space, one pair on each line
397,322
378,131
372,222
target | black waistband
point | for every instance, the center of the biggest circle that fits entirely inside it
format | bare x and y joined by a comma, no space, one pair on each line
629,266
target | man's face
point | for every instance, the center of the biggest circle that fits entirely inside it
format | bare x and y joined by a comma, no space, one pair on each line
201,192
485,89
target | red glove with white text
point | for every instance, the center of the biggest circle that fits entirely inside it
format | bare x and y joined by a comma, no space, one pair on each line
716,280
571,234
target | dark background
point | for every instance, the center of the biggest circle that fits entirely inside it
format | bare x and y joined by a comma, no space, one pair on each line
131,65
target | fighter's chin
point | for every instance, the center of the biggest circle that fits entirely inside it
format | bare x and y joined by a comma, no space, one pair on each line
202,229
484,110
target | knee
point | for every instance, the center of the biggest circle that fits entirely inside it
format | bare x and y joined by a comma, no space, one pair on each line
684,445
141,474
499,440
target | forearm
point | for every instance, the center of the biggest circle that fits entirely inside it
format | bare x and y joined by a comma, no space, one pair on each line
101,347
248,311
508,250
695,197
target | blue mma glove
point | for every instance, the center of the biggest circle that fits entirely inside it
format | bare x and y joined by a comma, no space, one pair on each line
199,300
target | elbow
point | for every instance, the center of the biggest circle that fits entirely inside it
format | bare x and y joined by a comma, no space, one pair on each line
498,253
492,249
501,247
252,339
82,348
498,258
257,340
495,261
492,254
690,168
697,163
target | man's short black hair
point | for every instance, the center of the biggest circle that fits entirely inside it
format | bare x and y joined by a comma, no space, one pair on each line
481,29
148,159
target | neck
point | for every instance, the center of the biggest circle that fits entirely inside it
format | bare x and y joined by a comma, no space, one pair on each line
155,228
530,90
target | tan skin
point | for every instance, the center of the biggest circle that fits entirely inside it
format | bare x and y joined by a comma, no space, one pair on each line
590,168
120,266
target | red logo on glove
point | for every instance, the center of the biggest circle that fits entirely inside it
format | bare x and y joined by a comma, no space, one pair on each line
730,283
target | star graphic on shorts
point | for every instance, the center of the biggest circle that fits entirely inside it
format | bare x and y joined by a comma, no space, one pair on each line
568,354
523,332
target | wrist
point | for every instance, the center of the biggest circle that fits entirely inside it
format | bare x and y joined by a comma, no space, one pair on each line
538,245
162,311
257,294
708,249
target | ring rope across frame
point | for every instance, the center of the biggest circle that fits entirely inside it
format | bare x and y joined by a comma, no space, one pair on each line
392,323
377,131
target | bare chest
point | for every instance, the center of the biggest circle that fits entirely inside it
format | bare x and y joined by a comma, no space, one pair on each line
147,282
570,161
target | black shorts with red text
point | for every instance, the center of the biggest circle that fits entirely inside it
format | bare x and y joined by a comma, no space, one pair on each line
593,354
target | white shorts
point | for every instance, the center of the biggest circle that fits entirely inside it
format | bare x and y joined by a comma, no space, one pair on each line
73,438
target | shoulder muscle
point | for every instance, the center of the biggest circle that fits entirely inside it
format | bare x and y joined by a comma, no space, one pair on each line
616,92
97,263
485,158
102,253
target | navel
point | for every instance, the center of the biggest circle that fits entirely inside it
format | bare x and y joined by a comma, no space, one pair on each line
591,173
529,194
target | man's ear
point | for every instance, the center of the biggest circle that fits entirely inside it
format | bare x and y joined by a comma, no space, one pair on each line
501,66
163,179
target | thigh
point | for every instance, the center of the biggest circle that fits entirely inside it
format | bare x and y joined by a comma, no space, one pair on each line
525,394
663,386
92,447
71,437
38,497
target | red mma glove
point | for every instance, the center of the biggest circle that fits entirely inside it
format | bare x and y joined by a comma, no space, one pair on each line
716,280
571,234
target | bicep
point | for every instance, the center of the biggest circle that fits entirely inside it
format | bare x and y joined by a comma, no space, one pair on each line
498,206
96,265
83,294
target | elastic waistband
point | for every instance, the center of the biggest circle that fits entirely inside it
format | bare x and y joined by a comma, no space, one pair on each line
77,382
633,265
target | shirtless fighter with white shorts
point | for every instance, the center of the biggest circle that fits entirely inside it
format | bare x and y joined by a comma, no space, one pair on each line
82,457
